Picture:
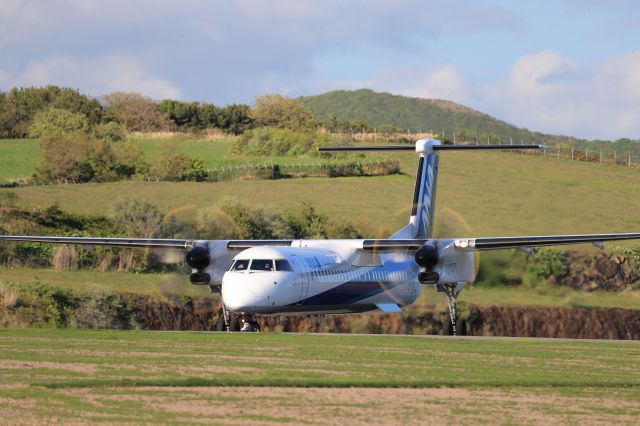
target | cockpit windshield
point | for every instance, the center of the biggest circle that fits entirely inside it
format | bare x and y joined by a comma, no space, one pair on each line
240,265
264,265
283,265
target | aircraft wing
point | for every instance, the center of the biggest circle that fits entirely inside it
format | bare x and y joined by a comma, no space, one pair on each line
539,241
112,242
139,242
495,243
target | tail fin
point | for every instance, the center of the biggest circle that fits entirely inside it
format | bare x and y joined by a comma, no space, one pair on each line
424,195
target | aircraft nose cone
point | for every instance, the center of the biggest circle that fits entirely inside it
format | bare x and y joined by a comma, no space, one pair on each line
236,294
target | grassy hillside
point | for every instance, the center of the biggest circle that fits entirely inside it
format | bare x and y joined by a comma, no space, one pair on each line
478,194
415,114
19,157
151,377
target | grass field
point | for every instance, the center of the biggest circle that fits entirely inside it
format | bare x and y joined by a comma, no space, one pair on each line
495,193
151,377
21,156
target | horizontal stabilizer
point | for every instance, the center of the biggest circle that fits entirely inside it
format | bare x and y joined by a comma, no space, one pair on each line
435,147
388,307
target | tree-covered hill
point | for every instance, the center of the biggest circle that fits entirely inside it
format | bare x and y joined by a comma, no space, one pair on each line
417,114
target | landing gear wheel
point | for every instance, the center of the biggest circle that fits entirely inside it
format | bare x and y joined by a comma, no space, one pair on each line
255,327
461,327
447,330
234,324
220,324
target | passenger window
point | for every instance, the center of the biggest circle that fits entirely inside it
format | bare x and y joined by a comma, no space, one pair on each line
240,265
262,265
283,265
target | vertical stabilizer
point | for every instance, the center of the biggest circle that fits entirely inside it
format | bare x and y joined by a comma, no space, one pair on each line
424,194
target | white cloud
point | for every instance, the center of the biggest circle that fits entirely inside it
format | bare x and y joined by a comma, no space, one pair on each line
548,92
96,77
445,82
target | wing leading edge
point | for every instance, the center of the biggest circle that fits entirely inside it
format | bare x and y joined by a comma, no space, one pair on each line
539,241
140,242
496,243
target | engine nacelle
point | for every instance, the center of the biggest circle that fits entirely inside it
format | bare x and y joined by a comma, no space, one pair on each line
209,261
454,265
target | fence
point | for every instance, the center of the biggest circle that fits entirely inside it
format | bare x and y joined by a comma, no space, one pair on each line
605,156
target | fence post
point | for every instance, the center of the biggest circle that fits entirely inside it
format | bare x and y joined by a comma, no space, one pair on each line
571,152
629,160
586,156
600,155
558,151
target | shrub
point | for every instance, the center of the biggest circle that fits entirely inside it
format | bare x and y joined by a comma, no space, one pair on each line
111,132
545,263
178,166
266,141
57,122
79,157
282,112
136,112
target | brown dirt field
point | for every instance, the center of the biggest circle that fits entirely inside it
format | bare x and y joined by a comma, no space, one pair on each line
363,406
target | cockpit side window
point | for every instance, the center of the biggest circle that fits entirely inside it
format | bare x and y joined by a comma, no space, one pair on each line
240,265
283,265
262,265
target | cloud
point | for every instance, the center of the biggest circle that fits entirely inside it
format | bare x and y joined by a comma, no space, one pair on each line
445,82
549,92
543,91
97,76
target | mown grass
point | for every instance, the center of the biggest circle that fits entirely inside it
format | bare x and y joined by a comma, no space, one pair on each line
140,358
155,376
18,158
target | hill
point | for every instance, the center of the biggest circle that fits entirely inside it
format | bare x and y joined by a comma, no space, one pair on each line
416,114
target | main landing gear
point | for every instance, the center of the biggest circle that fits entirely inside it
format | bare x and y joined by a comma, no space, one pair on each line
231,322
453,326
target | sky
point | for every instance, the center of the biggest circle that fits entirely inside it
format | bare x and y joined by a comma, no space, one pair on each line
567,67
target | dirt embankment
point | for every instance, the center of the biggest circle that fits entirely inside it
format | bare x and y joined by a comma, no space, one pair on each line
201,314
602,271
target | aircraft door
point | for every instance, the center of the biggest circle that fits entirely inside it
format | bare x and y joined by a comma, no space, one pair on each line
302,279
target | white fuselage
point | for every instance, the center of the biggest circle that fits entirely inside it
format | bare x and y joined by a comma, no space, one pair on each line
318,277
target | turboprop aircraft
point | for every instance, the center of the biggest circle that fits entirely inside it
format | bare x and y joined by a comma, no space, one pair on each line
269,277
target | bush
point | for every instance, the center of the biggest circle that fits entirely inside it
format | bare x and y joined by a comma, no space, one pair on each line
80,158
233,220
136,112
57,122
19,106
282,112
545,263
266,141
177,166
111,132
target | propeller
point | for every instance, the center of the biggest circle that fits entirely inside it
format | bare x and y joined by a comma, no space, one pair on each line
450,223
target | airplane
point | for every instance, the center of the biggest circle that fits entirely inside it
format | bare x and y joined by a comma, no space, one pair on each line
343,276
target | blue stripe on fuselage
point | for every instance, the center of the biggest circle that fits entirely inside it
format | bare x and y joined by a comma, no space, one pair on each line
348,293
